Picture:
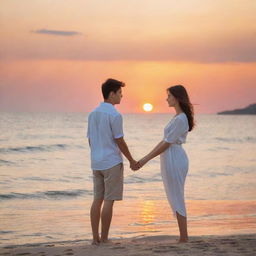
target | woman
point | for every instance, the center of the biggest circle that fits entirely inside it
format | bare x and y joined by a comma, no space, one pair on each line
174,161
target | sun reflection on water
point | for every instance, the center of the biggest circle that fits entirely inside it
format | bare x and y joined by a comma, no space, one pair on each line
148,215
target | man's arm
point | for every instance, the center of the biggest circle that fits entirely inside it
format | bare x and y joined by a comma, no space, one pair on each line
124,149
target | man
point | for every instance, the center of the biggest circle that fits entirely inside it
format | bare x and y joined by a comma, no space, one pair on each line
105,134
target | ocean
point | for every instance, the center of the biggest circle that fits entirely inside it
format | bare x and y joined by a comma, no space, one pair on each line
46,180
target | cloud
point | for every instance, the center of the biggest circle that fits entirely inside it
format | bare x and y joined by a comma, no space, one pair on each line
56,32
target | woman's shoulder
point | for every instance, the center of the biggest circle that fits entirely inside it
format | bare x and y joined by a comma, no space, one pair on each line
182,119
178,119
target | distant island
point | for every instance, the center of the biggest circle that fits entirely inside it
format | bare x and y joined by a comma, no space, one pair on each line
250,110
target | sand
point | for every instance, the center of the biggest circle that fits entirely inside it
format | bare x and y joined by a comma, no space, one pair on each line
141,246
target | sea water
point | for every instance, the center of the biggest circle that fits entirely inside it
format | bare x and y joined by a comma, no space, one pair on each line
46,180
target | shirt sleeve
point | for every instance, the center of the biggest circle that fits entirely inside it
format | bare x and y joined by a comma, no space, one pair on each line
176,129
117,127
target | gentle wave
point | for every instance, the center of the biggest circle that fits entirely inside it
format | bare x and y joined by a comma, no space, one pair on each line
29,149
136,179
5,162
47,194
237,140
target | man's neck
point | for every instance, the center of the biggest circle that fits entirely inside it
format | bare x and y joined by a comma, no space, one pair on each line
109,101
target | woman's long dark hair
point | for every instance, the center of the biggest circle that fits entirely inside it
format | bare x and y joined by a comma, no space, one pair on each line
180,93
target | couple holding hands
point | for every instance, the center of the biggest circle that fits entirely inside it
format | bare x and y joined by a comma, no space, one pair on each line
106,140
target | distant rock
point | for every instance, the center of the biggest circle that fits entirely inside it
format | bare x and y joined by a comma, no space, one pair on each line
250,110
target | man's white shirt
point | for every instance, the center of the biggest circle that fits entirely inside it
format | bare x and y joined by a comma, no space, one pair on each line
105,124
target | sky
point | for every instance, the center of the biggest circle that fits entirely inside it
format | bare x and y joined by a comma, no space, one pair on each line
55,54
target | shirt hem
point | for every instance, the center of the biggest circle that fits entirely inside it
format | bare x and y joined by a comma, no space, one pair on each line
106,167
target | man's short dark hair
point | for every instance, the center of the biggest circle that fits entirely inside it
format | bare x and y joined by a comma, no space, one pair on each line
111,85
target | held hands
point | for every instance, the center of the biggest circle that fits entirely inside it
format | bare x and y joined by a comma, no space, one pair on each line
136,165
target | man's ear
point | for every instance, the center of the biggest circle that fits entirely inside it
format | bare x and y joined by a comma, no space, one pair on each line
111,94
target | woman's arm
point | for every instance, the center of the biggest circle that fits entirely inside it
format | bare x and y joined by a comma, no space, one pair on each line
158,149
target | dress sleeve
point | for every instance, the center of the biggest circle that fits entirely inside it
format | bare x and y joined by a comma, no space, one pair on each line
117,127
176,129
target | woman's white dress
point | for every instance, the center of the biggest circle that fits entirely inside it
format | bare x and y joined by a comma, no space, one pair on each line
174,163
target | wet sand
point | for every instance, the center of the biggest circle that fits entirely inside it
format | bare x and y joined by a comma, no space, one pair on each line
141,246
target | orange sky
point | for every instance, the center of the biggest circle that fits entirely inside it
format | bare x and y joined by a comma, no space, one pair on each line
55,54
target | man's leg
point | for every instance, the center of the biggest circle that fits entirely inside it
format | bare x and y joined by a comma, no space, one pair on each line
106,217
113,179
95,219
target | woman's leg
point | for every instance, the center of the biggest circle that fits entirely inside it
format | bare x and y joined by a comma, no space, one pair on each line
182,222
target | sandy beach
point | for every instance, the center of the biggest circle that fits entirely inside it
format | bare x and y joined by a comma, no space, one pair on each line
141,246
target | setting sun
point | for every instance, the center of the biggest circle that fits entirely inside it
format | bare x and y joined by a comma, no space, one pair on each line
147,107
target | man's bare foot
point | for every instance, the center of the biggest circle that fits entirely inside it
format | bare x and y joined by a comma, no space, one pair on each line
95,242
183,240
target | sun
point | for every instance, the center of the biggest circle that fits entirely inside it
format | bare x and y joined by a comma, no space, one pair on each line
147,107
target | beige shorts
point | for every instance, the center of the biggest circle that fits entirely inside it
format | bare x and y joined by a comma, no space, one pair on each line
108,184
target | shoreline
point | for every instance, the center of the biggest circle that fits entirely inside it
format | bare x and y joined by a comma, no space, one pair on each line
244,244
148,218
